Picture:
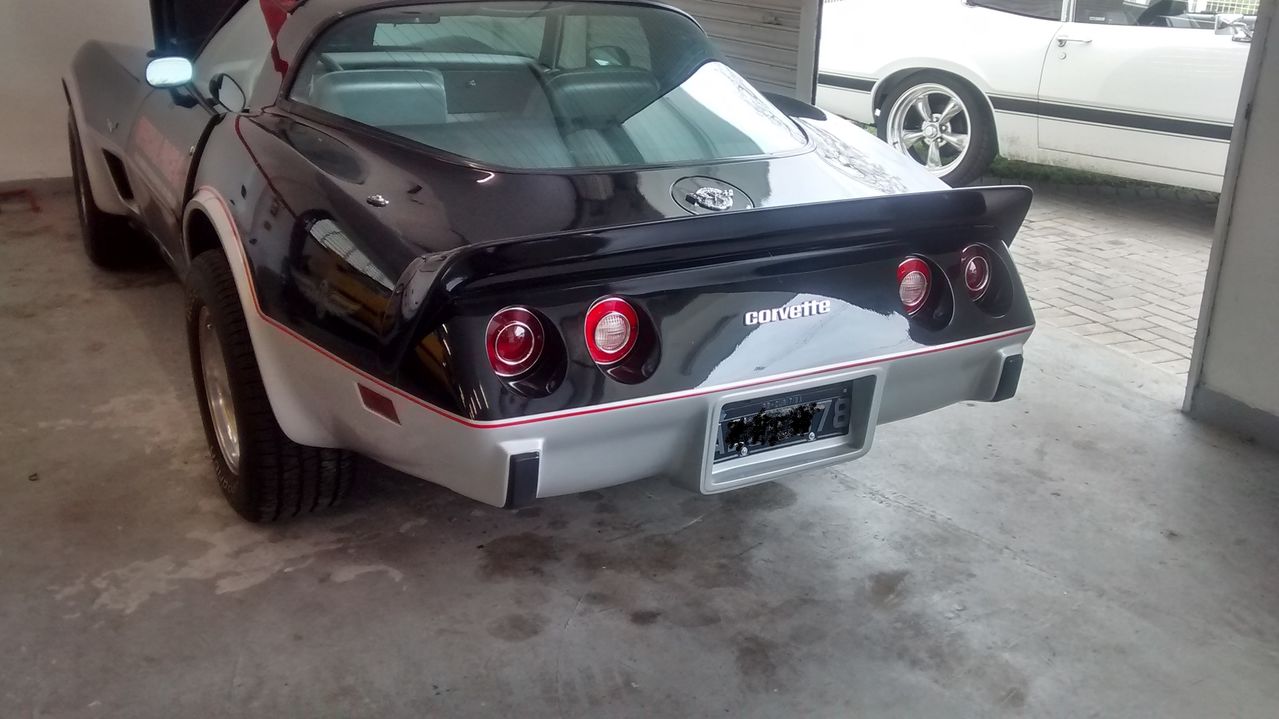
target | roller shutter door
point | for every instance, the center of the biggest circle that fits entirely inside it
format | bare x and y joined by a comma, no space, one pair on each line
773,43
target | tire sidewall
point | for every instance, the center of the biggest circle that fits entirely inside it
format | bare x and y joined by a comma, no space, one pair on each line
981,124
80,182
201,293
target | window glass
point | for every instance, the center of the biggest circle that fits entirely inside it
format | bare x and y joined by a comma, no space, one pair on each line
1043,9
185,26
240,49
444,33
538,85
623,33
1186,14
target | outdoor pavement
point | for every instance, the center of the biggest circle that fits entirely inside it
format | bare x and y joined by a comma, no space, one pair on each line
1122,266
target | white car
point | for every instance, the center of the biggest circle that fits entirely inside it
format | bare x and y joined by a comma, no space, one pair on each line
1145,89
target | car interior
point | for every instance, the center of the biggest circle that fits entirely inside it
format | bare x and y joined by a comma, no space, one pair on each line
522,102
1159,13
499,107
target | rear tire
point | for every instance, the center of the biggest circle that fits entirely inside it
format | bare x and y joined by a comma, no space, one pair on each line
108,239
900,124
263,474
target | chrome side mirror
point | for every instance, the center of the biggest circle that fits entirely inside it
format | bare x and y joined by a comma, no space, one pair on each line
217,87
1233,24
168,72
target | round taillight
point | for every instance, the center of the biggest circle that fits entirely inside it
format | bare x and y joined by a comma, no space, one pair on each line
976,271
515,340
612,328
913,284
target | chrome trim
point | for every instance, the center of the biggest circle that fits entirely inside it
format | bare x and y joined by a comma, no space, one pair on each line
217,392
915,119
531,349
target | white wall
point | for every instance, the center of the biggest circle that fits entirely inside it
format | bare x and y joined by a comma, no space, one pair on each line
1235,374
38,38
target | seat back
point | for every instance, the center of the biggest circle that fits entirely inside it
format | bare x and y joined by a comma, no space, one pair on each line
601,97
384,98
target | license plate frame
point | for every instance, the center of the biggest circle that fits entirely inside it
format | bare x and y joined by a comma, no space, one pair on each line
774,422
722,473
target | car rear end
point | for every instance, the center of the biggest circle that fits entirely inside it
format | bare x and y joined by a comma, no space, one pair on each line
631,262
720,350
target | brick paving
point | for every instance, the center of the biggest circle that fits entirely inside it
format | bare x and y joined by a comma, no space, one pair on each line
1123,267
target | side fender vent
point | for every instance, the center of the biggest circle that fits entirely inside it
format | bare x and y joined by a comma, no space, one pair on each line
119,176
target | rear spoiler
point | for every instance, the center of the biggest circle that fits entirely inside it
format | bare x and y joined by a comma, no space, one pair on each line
777,230
431,282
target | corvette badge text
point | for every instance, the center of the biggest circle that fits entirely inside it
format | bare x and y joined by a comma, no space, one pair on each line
790,312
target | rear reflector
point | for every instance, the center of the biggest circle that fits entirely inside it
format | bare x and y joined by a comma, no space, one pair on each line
612,328
514,341
976,269
913,284
378,403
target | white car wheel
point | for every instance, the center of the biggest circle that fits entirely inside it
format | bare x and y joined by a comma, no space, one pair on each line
944,127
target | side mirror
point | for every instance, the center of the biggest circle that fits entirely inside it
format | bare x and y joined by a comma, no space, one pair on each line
608,56
218,86
1234,25
170,72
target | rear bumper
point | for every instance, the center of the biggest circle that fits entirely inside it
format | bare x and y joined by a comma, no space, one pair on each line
675,436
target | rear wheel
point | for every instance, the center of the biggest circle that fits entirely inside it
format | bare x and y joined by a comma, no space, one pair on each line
108,239
263,474
942,124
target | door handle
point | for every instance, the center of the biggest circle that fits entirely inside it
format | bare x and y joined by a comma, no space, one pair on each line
1062,41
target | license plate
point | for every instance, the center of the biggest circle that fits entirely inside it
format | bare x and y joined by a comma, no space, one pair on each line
753,426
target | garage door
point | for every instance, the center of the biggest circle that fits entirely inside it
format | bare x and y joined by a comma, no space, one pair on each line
773,43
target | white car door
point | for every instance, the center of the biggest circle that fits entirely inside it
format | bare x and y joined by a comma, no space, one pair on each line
1134,87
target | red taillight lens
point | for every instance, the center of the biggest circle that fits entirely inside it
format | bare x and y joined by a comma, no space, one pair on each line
515,340
914,282
976,268
612,328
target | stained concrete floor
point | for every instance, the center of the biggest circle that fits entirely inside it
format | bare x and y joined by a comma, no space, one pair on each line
1083,550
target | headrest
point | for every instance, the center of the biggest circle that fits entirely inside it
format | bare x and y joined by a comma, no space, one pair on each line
384,98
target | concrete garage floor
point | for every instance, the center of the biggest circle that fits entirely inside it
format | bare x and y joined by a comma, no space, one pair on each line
1083,550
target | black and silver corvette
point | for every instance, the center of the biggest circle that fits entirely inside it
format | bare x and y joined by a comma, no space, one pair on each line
523,249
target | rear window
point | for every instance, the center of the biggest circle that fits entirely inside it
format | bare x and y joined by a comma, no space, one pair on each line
543,85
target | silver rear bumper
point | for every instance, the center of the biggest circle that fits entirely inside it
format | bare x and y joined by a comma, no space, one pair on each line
675,438
510,462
